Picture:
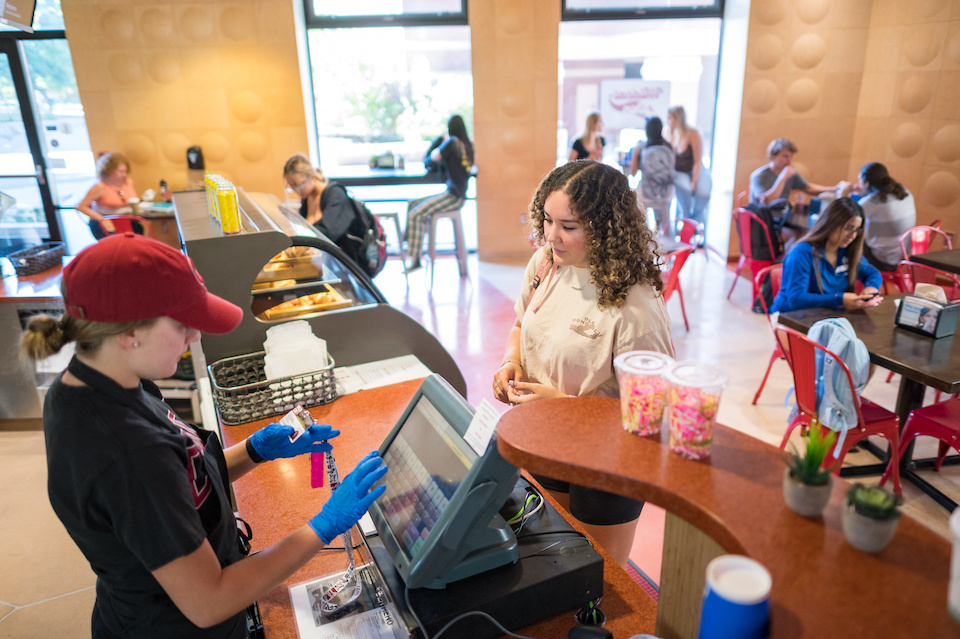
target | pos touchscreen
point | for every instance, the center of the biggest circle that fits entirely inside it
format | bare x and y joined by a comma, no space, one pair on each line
438,518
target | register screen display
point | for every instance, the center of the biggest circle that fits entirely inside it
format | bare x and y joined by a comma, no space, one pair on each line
426,462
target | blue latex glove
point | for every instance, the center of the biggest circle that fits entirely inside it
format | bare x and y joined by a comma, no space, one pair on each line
273,441
351,499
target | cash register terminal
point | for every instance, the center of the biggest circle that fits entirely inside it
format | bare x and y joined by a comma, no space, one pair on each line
442,547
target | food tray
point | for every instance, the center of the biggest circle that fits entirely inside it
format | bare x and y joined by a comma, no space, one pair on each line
291,268
36,259
303,306
243,394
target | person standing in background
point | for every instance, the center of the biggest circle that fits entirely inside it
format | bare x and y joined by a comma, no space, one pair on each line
656,163
589,146
692,180
890,212
110,196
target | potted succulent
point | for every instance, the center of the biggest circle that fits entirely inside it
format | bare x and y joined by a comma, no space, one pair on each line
870,517
806,483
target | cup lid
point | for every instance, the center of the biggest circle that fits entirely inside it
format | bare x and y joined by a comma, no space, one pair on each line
697,375
643,362
739,579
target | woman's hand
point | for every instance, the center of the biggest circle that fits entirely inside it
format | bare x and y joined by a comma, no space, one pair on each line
853,301
107,225
510,371
523,392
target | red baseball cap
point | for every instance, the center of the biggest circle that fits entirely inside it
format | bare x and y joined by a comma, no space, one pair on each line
128,277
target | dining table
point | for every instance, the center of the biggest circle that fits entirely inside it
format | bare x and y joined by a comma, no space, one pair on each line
920,360
947,260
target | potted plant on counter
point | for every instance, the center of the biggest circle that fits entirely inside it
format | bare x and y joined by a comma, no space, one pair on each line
806,483
870,517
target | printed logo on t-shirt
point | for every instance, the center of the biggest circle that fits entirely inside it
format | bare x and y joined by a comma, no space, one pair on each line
199,480
585,327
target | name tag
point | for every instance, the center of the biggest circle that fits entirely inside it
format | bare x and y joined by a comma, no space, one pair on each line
842,268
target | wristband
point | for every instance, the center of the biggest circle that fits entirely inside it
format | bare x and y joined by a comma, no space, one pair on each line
506,361
252,452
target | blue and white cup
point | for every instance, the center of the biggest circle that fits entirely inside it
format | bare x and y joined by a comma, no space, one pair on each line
736,599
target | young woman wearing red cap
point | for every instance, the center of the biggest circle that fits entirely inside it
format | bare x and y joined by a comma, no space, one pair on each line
143,494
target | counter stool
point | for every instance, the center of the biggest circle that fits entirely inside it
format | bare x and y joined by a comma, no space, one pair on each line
395,218
461,247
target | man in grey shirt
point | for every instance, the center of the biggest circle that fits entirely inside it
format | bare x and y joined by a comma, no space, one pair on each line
775,180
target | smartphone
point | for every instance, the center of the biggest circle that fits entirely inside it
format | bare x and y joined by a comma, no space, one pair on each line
875,295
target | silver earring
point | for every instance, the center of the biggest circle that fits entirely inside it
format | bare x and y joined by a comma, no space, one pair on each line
136,344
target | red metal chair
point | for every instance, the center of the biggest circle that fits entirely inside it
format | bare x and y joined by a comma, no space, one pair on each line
937,420
689,231
912,273
128,224
744,220
917,240
800,352
671,276
774,273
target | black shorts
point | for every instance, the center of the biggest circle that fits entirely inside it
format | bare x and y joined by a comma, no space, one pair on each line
592,506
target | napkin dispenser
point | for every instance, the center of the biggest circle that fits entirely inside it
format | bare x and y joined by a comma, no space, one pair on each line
927,316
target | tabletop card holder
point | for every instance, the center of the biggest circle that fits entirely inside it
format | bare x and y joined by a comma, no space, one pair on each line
926,316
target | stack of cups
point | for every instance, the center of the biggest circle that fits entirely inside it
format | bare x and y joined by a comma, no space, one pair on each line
292,349
693,400
736,599
643,390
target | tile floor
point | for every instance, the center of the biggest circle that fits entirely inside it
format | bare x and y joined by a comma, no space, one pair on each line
46,587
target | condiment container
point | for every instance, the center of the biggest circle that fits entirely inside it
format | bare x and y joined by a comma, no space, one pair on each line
693,400
643,390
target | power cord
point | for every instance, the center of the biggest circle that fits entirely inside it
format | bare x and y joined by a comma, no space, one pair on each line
471,613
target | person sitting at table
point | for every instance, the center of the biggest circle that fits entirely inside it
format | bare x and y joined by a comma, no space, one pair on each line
589,146
821,269
456,154
110,196
328,209
145,495
890,212
592,292
691,178
778,178
655,161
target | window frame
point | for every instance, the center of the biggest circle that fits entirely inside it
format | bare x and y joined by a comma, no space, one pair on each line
313,21
714,10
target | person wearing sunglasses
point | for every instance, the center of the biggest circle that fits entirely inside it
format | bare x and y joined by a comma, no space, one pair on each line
145,495
822,268
328,209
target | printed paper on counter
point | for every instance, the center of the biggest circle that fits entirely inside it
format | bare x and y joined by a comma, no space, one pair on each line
482,426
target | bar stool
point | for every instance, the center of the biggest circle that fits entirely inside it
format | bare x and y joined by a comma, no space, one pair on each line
395,218
460,244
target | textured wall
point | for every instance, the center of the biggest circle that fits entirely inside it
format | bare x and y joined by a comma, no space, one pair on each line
852,81
158,77
515,114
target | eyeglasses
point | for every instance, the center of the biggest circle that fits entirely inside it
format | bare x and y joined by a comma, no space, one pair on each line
855,230
296,188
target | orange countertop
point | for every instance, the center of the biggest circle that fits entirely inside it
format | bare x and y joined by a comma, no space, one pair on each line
42,287
276,499
822,586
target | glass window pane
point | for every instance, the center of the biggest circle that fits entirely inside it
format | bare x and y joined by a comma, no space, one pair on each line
340,8
633,5
48,16
63,128
15,158
388,89
22,220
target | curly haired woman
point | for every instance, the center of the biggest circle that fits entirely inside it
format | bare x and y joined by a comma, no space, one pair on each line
599,295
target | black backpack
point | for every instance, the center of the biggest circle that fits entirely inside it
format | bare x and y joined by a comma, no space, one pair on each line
758,239
364,242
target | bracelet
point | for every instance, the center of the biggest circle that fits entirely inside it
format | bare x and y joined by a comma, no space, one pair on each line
252,452
506,361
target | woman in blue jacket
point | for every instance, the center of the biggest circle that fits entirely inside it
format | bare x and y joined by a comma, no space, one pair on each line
822,268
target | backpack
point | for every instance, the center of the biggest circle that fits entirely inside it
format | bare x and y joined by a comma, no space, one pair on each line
364,242
758,240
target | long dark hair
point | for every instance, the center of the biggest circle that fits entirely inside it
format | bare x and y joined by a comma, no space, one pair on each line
621,250
655,132
457,128
835,216
879,181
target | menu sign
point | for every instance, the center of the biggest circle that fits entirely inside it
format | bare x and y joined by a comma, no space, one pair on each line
626,104
19,14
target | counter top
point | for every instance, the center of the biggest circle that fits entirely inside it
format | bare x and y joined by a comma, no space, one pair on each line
276,499
42,287
822,586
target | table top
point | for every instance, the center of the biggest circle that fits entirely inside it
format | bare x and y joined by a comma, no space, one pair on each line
363,175
932,362
822,586
41,287
275,499
948,260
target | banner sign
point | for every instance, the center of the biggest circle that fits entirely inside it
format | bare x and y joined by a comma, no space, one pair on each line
626,104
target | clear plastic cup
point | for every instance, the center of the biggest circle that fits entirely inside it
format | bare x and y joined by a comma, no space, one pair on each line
643,390
693,400
953,592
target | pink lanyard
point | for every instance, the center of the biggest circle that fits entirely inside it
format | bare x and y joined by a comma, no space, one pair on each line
538,281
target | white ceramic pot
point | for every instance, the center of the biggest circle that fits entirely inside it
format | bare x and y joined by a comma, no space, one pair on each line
865,533
804,499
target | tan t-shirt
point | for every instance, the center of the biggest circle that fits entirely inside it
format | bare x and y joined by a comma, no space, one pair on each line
569,343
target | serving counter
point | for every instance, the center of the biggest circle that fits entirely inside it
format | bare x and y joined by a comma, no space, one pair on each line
276,499
732,502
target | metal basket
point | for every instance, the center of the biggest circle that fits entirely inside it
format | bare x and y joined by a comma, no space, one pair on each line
243,394
36,259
